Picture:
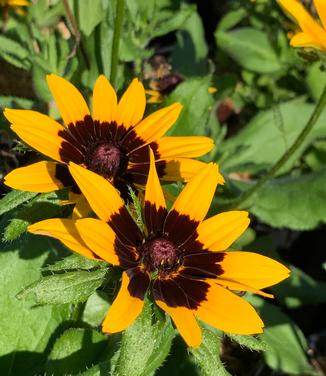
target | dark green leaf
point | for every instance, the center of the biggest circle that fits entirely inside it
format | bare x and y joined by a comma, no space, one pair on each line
72,263
14,199
69,287
251,342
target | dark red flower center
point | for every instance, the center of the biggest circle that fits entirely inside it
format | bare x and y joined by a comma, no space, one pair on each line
161,255
106,159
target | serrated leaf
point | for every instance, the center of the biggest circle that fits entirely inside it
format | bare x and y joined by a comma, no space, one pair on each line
251,342
207,357
73,262
287,345
76,350
250,48
69,287
13,199
154,340
27,328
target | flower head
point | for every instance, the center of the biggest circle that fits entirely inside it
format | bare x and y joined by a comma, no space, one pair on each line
179,259
312,33
111,141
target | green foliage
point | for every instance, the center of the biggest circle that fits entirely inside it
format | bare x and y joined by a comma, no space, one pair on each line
286,342
13,199
73,262
62,288
250,342
250,48
153,336
207,355
76,350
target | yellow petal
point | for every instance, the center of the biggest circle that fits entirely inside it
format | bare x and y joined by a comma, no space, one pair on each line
307,24
305,40
103,198
219,232
185,322
132,104
37,177
228,312
71,104
236,286
154,205
99,237
104,101
64,230
196,197
81,208
158,123
252,269
183,147
37,130
124,310
182,169
321,9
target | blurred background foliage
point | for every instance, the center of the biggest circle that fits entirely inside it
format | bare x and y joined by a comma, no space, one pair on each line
185,50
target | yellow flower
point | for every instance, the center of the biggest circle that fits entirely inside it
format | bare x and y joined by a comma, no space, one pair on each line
14,3
313,34
180,259
111,141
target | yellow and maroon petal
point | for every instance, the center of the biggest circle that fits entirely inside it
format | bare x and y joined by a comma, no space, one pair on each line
192,204
219,232
71,104
124,310
252,269
320,6
106,202
226,311
183,147
64,230
151,128
132,105
43,134
99,237
154,203
37,177
185,322
105,103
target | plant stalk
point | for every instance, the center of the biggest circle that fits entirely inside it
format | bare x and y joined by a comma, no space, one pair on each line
116,41
239,201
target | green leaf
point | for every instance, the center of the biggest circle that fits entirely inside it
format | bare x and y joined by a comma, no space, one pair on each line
69,287
287,345
72,263
231,19
251,342
250,48
76,350
268,135
13,199
95,309
207,357
316,80
154,340
297,203
300,289
28,328
90,14
46,205
197,104
14,52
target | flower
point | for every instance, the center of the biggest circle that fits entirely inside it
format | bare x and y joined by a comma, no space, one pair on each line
313,34
14,3
112,141
180,260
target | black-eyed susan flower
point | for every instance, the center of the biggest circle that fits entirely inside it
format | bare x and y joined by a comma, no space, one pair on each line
111,141
313,34
179,260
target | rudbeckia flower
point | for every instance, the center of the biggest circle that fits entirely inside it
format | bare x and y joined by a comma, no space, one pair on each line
179,260
313,34
111,141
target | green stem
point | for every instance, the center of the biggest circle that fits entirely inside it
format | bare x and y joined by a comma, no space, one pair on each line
281,162
116,40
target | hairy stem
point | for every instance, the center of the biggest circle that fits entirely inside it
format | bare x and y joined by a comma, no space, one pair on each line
116,40
239,201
